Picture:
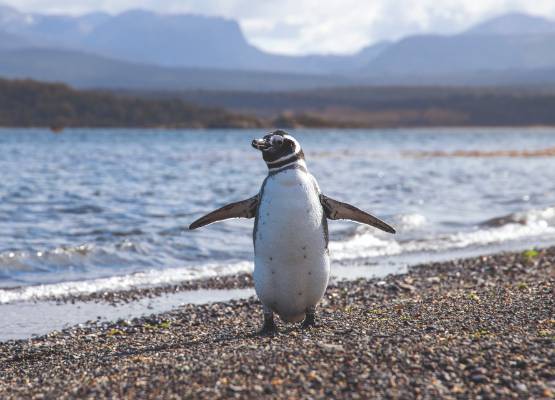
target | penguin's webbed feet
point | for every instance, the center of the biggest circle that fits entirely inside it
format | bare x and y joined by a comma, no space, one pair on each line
269,328
310,319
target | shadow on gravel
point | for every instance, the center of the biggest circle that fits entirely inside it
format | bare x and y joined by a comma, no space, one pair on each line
186,343
210,339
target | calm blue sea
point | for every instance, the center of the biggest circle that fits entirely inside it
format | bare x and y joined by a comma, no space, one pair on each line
98,209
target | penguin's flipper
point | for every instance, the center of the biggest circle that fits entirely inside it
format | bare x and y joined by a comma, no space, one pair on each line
337,210
241,209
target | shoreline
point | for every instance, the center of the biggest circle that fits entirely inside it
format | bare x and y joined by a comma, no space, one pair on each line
481,326
244,280
124,296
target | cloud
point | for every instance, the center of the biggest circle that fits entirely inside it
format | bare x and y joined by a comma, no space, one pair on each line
317,26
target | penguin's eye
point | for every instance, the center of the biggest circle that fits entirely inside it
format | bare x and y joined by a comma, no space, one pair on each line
276,140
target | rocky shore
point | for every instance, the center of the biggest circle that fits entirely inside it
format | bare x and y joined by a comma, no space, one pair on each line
479,328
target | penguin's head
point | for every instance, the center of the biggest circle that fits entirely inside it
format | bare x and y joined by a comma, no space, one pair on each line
278,149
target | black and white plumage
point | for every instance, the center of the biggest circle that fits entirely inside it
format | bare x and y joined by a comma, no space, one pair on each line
290,235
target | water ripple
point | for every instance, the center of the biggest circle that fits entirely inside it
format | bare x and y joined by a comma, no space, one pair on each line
95,204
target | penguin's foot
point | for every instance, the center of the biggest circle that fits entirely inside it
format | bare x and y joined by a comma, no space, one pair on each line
269,328
309,321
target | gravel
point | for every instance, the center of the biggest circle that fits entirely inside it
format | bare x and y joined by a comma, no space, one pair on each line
480,328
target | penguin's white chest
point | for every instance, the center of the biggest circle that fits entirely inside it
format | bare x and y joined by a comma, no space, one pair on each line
291,260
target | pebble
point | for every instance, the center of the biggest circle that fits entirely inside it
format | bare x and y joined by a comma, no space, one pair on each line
404,338
331,347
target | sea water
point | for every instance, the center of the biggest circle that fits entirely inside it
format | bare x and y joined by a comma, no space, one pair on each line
103,209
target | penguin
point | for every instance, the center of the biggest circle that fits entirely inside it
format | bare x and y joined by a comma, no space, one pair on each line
290,235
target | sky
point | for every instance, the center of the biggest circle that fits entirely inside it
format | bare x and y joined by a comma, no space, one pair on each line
316,26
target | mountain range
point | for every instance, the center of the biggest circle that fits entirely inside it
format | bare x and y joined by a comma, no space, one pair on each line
141,49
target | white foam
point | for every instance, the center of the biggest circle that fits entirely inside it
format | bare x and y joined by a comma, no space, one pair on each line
364,245
497,235
546,215
150,278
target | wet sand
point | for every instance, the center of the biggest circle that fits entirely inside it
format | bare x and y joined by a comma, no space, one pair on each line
480,327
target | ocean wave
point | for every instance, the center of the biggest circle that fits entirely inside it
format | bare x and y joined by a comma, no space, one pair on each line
517,226
150,278
64,257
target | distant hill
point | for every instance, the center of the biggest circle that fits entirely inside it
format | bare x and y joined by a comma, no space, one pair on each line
140,49
172,40
433,54
34,104
509,49
85,70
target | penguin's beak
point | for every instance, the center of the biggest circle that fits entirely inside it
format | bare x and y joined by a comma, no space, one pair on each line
260,144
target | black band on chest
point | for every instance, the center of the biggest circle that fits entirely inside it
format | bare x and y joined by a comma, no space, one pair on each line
288,160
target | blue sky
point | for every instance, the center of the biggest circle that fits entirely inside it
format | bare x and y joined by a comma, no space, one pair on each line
316,26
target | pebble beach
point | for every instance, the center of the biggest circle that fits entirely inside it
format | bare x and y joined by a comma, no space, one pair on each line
482,327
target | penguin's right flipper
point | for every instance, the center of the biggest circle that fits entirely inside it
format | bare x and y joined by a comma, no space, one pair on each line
241,209
337,210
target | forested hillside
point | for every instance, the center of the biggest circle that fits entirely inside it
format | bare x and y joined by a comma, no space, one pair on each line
379,107
25,103
30,103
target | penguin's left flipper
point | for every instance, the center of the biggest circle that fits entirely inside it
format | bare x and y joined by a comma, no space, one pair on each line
337,210
240,209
